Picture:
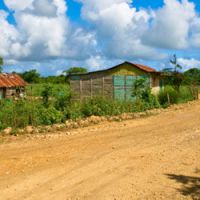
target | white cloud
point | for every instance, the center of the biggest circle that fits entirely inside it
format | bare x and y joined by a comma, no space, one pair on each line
119,28
169,27
195,32
8,36
43,31
18,4
44,8
189,63
116,31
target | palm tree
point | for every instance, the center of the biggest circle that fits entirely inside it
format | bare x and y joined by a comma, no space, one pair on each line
174,62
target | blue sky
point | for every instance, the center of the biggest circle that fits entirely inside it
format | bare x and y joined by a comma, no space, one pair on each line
53,35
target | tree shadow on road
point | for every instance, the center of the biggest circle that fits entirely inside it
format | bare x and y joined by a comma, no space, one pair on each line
190,185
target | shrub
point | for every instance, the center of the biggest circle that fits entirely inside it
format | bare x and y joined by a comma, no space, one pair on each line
73,111
143,95
22,113
168,96
185,94
48,116
46,93
96,106
62,100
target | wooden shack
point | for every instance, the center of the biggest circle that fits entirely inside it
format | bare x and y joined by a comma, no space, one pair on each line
116,82
11,85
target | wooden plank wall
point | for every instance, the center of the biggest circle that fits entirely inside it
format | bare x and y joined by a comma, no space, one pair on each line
92,85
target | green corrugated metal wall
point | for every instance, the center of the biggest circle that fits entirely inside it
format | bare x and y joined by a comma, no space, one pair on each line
123,86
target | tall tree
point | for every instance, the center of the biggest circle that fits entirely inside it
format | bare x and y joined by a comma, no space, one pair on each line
74,70
31,76
174,62
173,76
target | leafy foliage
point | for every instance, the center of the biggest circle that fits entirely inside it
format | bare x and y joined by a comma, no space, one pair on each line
75,70
168,96
192,76
46,93
31,76
35,90
142,92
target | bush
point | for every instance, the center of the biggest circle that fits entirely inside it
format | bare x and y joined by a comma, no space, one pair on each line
143,95
96,106
48,116
185,94
168,96
22,113
62,100
73,111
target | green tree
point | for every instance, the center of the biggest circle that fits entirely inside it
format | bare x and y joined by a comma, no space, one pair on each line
1,64
172,75
174,62
192,76
31,76
192,79
75,70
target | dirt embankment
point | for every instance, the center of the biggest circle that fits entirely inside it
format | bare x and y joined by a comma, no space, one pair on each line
149,158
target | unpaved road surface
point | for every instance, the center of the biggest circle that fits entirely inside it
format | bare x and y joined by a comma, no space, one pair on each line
157,157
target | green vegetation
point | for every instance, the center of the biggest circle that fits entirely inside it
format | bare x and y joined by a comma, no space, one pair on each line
142,93
33,77
50,102
75,70
35,90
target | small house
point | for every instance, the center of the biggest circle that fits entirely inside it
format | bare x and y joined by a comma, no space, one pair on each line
11,85
116,82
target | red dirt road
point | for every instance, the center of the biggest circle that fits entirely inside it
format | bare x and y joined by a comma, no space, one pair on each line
149,158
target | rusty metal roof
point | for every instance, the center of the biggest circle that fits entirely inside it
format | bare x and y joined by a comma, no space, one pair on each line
11,80
143,67
139,66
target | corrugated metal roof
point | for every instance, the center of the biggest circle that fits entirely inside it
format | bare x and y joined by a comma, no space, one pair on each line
139,66
143,67
11,80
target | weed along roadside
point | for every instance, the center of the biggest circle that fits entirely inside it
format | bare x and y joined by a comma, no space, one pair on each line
70,125
131,88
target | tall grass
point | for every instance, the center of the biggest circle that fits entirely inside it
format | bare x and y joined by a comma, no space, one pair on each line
36,90
19,114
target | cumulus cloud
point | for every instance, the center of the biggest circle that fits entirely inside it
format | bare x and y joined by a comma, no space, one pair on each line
18,4
169,27
116,31
43,31
119,28
189,63
195,33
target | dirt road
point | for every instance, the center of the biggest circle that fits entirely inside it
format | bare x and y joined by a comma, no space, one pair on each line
150,158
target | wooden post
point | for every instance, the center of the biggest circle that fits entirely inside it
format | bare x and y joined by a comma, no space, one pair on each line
125,88
91,87
80,81
103,86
